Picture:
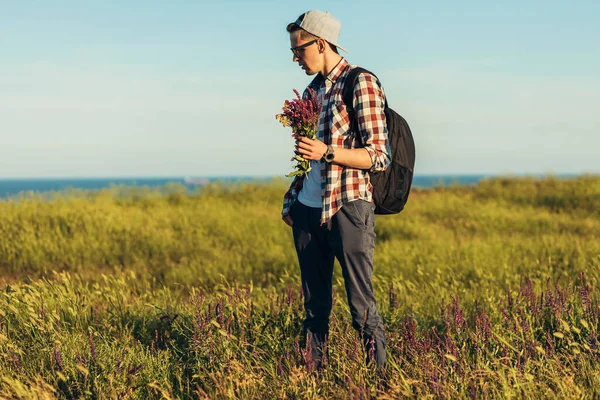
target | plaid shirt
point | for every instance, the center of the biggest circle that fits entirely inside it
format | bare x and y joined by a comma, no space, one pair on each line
339,184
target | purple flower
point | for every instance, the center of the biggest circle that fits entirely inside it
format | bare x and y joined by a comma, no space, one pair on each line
302,115
58,360
92,349
16,361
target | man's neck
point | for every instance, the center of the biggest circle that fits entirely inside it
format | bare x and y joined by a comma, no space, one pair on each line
330,63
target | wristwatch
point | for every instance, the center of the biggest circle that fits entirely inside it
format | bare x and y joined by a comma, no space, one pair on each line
329,154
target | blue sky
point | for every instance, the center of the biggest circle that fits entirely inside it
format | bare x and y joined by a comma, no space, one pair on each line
189,88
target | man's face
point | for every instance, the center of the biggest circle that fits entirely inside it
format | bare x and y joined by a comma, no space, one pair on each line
306,53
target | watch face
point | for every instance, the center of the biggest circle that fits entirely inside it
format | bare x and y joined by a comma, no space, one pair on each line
329,157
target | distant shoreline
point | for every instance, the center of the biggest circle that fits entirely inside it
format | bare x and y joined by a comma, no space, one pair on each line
10,187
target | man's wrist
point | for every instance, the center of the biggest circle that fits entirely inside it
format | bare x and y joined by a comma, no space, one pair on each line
329,154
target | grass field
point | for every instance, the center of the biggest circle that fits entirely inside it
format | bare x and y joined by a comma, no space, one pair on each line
488,291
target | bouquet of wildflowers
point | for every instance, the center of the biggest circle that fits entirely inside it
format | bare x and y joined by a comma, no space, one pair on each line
302,115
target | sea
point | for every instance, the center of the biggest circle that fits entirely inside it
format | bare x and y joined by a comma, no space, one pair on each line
12,187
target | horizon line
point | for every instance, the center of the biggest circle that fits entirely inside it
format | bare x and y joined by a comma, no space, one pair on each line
265,176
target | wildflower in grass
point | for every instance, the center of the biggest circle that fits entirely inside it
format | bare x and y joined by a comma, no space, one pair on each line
370,345
16,361
81,360
219,312
302,115
58,360
196,331
483,325
297,350
280,366
308,355
92,349
290,296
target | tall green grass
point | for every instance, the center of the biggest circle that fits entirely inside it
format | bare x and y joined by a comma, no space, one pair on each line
486,291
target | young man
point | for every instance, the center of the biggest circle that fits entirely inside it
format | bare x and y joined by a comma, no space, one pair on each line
331,210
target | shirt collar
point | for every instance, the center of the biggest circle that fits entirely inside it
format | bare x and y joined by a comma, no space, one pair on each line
337,70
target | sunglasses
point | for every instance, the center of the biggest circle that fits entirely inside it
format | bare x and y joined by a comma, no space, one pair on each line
296,50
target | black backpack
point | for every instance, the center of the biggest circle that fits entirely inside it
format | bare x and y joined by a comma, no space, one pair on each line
392,186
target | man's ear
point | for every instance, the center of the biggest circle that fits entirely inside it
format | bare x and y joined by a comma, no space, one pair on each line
322,45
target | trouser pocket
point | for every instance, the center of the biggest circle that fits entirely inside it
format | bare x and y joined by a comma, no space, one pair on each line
360,212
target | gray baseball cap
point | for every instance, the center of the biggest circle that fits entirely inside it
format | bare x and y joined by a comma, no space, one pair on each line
321,24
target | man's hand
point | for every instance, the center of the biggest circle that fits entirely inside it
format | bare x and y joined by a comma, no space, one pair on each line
287,219
310,149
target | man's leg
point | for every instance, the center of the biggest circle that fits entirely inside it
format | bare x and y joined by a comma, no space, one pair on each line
353,238
316,266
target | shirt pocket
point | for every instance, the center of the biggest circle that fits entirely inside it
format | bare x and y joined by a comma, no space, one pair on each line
341,135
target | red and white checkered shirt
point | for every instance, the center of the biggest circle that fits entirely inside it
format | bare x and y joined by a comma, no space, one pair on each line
339,184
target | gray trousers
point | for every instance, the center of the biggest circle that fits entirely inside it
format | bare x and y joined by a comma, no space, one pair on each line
350,237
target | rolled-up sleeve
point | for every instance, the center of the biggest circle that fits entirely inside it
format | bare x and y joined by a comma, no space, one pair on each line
369,107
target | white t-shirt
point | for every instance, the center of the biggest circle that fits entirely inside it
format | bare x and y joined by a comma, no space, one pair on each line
310,194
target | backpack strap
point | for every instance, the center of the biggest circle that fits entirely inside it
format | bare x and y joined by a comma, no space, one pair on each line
348,93
348,90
